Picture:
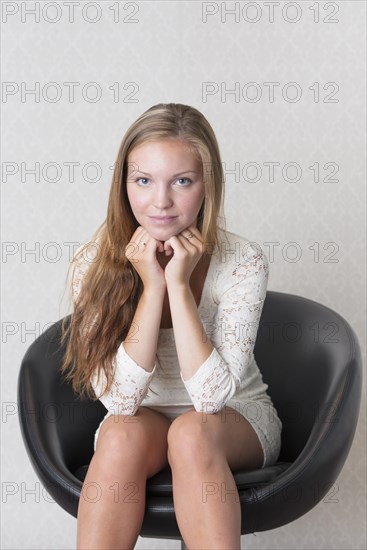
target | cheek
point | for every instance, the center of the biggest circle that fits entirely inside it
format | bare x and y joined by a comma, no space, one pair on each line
135,200
199,198
191,208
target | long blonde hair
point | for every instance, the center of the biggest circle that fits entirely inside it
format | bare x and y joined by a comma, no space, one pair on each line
111,286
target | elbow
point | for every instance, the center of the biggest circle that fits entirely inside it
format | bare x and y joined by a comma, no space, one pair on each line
217,401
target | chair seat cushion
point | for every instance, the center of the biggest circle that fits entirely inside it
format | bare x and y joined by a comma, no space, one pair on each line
161,483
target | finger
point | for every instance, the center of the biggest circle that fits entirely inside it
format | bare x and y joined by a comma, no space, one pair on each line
196,232
186,243
193,229
136,237
138,230
158,245
167,249
145,237
191,233
132,246
171,244
142,241
192,239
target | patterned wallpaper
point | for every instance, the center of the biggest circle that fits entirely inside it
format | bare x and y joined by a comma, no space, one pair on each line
283,85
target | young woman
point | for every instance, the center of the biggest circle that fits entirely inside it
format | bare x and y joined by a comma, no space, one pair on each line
166,309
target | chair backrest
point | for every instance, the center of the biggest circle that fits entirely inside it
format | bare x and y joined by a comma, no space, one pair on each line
304,350
64,421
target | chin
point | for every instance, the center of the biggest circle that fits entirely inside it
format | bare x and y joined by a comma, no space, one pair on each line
164,233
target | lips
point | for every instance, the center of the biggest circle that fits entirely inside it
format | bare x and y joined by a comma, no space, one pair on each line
163,220
163,217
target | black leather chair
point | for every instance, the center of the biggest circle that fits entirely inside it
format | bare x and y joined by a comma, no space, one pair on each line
311,360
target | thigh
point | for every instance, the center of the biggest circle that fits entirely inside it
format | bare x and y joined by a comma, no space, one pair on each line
241,442
146,431
226,432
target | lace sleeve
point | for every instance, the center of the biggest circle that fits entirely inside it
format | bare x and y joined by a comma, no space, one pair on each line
233,335
129,387
131,381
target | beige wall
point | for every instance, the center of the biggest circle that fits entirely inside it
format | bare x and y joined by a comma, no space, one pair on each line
173,52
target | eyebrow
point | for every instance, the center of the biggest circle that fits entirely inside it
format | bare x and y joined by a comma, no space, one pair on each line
174,175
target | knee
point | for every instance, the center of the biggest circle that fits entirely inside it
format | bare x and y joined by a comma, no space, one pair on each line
190,441
123,436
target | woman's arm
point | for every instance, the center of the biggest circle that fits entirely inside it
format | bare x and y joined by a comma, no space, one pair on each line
132,378
232,331
135,364
142,338
193,348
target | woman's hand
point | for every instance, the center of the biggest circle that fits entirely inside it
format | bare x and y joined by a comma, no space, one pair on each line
187,249
143,257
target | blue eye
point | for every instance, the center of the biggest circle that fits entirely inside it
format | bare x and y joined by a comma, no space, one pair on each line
184,179
187,179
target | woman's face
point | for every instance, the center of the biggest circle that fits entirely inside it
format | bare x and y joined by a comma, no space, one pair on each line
164,180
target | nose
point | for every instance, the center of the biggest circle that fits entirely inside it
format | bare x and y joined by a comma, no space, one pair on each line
162,197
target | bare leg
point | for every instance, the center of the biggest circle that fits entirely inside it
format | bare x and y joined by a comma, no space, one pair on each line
202,450
208,513
129,450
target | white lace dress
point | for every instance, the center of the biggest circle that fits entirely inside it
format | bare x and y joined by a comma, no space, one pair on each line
230,309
